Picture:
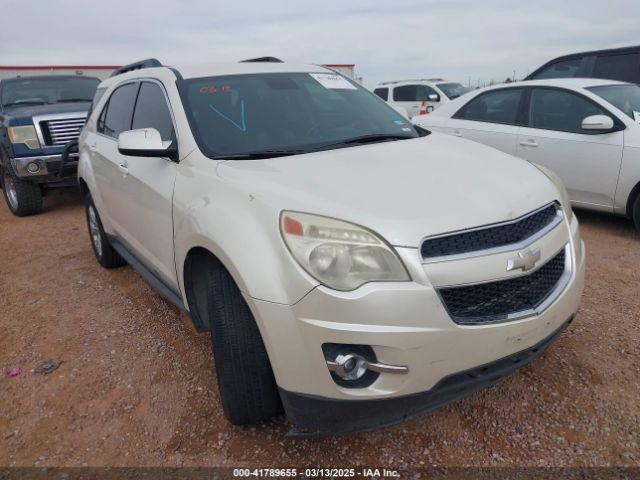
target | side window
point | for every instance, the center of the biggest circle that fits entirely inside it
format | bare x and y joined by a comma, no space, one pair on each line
383,93
118,112
152,111
560,110
498,106
561,69
625,67
405,93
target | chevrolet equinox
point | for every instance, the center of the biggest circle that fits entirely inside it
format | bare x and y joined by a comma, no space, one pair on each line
354,270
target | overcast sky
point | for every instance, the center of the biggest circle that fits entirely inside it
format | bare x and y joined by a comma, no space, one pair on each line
481,39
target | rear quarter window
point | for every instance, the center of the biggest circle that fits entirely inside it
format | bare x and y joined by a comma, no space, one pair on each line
625,67
383,93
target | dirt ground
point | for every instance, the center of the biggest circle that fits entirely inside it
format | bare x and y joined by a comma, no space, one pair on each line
136,386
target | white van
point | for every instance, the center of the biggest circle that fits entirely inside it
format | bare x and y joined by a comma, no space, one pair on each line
419,96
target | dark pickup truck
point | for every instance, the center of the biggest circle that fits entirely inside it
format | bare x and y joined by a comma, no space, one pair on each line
39,116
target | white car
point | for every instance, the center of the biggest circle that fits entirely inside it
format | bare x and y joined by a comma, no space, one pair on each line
421,95
352,268
585,130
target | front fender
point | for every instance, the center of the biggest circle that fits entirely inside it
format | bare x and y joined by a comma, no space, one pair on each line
242,231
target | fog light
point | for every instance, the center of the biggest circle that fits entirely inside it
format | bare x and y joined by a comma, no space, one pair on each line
33,167
356,366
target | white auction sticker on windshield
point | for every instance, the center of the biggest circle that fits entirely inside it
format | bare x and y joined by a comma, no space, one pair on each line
333,81
636,116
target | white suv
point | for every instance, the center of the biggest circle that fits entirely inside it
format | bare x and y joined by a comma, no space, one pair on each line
351,268
421,96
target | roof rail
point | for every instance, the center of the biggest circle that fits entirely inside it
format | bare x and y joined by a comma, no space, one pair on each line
262,59
391,82
148,63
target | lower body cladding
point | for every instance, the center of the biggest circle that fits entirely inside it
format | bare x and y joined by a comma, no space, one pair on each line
46,169
413,354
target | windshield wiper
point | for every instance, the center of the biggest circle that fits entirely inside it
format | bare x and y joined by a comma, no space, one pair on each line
371,138
69,100
259,155
378,137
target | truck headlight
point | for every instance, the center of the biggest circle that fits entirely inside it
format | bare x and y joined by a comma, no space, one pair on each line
340,255
25,134
564,196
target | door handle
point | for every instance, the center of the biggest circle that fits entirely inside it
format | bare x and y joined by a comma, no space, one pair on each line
457,133
123,167
529,143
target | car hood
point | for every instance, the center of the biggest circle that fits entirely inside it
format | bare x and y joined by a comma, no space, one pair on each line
404,190
29,111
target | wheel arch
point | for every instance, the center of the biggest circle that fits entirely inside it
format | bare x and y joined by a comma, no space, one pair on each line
84,188
198,263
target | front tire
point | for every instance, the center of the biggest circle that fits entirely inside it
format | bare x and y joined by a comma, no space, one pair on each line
248,390
106,255
636,212
23,198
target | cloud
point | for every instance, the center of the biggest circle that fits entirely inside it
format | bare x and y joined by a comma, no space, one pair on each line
404,38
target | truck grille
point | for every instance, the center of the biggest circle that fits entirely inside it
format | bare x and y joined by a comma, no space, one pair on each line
490,237
61,131
497,301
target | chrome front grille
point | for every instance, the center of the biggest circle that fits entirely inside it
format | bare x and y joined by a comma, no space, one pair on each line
488,239
59,129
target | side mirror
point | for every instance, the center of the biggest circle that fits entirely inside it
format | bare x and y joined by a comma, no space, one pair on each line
598,123
434,97
146,142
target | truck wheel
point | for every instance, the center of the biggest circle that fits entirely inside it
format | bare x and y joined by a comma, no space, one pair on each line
23,198
105,253
636,212
248,390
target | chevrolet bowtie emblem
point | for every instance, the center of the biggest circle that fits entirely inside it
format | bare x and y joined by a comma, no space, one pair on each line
524,260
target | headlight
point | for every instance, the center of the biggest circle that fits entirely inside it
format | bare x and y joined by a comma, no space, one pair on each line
25,134
341,255
564,196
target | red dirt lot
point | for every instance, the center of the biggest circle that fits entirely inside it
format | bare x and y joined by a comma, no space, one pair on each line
136,385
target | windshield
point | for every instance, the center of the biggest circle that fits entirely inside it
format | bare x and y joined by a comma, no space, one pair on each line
286,113
452,90
624,97
46,90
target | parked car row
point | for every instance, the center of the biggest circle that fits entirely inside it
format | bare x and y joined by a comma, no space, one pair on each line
353,268
585,130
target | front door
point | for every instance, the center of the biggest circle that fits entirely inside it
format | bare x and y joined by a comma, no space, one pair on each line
147,189
587,162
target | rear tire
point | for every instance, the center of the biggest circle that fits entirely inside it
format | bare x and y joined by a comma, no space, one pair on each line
248,390
23,198
104,252
636,212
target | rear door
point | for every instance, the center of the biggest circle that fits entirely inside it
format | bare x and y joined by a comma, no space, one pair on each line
588,163
147,188
491,118
106,160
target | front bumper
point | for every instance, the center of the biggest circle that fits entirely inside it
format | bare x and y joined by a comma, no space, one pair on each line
312,415
48,168
406,324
